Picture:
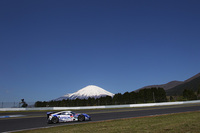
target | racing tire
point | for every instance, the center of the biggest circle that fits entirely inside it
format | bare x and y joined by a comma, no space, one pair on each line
81,118
54,120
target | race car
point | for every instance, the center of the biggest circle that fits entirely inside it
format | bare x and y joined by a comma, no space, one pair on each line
66,116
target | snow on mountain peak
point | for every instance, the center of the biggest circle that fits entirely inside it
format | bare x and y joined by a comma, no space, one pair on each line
92,90
86,92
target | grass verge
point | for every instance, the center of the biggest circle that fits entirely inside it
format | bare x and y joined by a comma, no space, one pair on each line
179,123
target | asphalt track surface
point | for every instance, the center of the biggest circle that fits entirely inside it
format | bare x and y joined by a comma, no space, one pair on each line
33,120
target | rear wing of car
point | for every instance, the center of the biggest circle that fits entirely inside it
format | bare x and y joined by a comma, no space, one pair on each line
49,113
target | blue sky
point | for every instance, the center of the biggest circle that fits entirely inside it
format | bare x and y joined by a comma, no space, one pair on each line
49,48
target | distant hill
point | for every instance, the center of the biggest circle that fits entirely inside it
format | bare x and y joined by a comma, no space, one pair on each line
166,86
192,83
176,87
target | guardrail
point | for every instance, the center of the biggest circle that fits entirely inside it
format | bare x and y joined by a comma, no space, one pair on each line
102,107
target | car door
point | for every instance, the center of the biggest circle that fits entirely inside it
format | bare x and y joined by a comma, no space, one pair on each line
64,117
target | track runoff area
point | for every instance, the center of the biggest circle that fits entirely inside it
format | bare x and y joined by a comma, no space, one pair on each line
19,121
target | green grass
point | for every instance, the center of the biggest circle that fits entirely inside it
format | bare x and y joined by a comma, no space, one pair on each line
173,123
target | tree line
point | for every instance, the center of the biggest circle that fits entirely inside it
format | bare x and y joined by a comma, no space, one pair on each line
142,96
189,94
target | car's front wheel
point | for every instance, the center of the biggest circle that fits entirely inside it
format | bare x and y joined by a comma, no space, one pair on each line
81,118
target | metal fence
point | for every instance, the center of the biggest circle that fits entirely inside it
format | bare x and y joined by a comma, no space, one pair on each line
15,104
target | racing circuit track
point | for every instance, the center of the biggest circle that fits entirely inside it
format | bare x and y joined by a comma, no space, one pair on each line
32,120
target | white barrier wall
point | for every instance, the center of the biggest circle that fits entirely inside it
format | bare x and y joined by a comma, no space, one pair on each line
102,107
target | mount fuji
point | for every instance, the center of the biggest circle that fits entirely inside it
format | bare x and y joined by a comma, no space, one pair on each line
91,91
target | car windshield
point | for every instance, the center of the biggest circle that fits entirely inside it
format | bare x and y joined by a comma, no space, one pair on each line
73,113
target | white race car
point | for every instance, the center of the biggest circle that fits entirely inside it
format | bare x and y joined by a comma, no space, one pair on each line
66,116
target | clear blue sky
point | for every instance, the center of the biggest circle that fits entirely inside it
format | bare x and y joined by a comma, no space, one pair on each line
49,48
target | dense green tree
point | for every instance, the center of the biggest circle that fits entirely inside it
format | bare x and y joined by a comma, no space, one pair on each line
133,97
126,98
198,93
189,94
117,99
161,95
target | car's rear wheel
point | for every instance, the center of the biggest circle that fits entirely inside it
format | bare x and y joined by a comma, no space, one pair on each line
81,118
54,119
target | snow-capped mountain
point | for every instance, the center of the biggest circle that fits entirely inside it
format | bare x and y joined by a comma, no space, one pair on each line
86,92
